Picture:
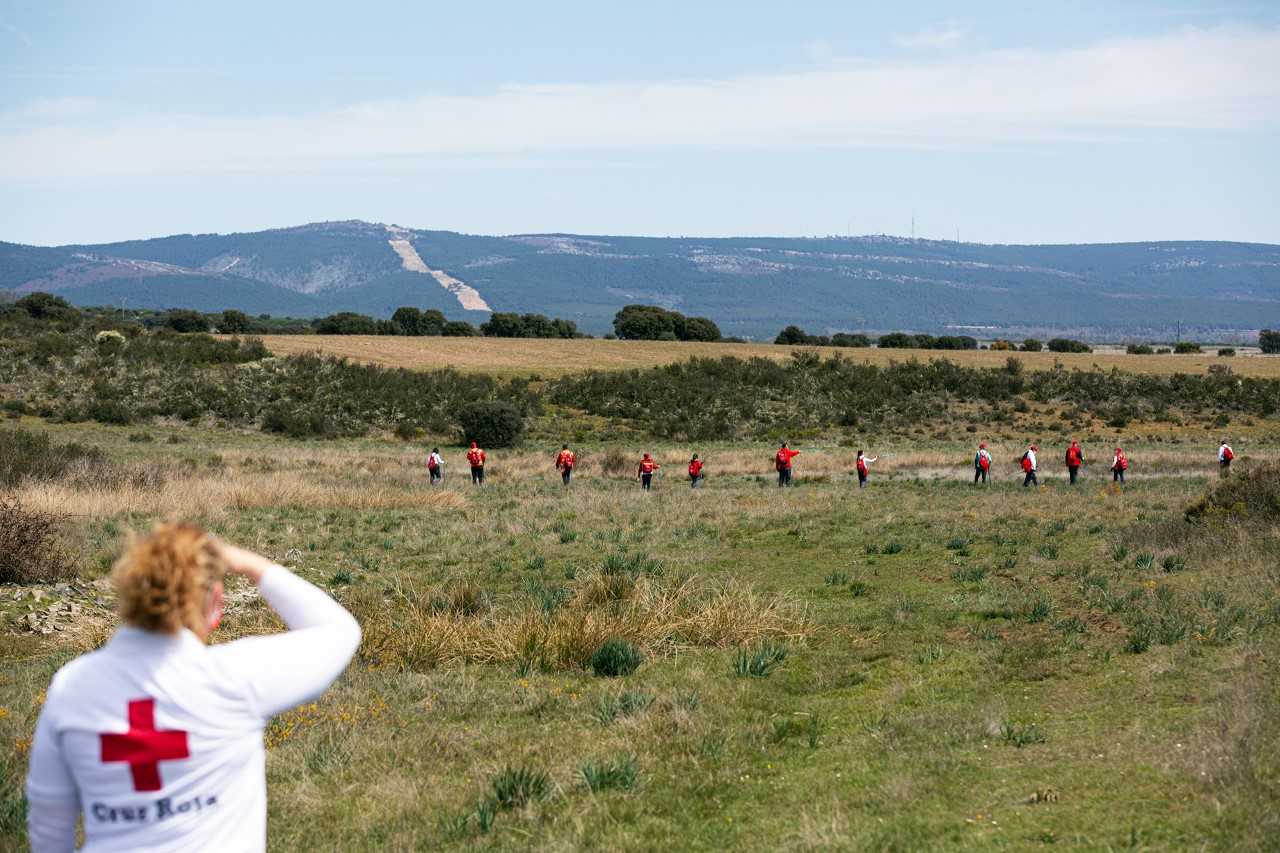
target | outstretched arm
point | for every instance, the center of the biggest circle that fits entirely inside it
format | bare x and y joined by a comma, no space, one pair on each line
281,671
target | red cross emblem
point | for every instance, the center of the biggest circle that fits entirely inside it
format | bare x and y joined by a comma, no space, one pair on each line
143,747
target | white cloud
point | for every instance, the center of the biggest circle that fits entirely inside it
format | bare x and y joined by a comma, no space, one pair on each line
948,35
1201,79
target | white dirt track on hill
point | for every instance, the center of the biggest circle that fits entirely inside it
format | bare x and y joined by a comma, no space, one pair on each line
467,295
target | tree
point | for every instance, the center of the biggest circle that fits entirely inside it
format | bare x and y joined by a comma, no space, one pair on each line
897,340
183,320
491,423
1269,341
1068,345
233,322
696,329
346,323
46,306
1186,348
1032,345
644,323
408,321
791,336
459,329
502,324
433,321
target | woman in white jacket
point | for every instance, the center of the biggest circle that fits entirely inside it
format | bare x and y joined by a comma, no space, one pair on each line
156,738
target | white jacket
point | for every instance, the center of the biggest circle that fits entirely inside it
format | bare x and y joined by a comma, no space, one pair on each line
157,738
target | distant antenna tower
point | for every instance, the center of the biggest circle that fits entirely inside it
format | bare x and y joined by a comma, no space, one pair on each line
913,225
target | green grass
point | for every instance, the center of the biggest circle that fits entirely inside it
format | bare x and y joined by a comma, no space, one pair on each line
933,695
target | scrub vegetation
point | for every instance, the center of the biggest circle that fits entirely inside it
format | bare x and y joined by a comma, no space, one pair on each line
923,664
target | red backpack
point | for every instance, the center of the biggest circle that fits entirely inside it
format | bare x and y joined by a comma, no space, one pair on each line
1227,454
1026,463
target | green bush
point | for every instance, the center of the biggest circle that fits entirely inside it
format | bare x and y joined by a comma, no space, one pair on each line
183,320
1186,348
1269,341
346,323
1032,345
1068,345
1138,349
616,657
1250,494
30,548
491,423
32,455
1226,352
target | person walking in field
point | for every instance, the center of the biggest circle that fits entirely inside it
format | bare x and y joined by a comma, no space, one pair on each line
155,740
1119,464
435,466
861,464
1030,467
695,472
1225,455
564,464
476,457
644,473
1075,458
981,463
782,461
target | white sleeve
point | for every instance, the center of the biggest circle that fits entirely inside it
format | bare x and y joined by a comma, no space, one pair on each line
54,801
281,671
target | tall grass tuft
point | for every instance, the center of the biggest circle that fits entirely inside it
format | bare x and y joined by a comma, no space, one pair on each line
759,660
618,772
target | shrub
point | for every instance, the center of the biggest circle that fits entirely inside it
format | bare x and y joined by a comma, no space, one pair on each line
491,423
1226,352
1032,345
1068,345
652,323
1186,348
184,320
615,657
345,323
1138,349
1252,494
1269,341
49,308
459,329
30,548
25,454
232,322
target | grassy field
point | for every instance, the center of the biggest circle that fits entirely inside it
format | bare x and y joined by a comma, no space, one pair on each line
506,356
920,665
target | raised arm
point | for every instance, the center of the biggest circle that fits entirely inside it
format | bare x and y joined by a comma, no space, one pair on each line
281,671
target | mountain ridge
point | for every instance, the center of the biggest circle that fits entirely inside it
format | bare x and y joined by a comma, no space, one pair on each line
751,286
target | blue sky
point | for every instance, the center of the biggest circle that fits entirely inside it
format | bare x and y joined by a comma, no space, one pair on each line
997,121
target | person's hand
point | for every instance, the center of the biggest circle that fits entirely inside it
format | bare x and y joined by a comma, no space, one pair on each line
243,562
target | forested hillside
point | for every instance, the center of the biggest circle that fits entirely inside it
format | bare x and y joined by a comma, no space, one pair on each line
751,287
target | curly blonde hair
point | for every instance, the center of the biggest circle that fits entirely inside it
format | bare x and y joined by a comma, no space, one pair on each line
163,581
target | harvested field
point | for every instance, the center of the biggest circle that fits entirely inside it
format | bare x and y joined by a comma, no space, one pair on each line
521,356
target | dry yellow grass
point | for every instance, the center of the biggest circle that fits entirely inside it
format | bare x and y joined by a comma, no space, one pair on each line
656,615
211,494
513,356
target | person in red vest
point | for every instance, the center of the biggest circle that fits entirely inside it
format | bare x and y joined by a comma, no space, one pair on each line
435,466
644,473
1075,458
861,465
782,461
1225,455
981,463
564,464
1030,467
695,471
1119,464
476,457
